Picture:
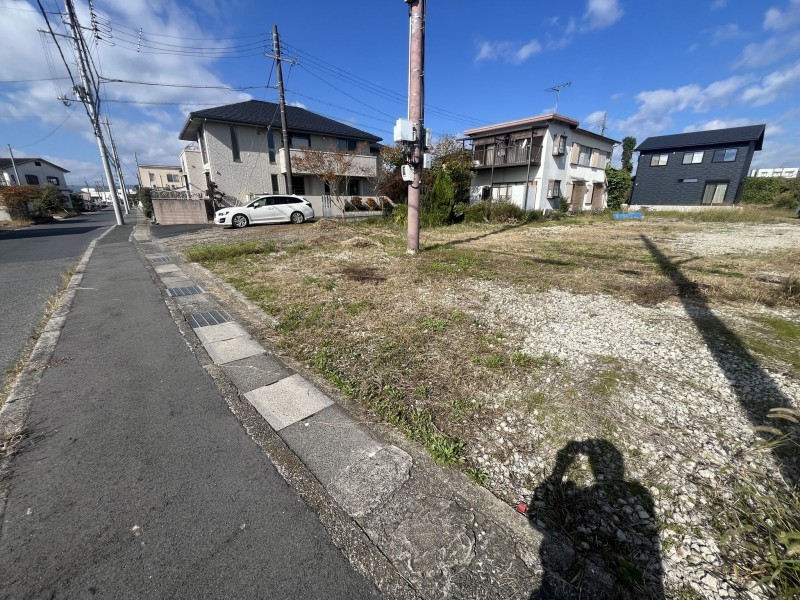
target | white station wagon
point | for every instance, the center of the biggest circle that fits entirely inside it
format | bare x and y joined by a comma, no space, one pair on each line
266,209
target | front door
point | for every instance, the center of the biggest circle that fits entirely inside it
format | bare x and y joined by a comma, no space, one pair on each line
578,192
597,196
714,192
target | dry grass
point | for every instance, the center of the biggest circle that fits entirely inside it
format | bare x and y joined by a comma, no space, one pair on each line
10,441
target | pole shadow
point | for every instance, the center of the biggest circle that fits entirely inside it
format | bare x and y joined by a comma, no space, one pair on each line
755,390
611,524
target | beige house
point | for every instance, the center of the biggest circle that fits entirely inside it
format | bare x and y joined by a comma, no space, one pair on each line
239,147
160,177
537,161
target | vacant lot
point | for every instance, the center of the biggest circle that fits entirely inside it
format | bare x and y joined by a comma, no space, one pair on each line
632,383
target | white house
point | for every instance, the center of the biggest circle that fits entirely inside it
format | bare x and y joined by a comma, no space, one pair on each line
785,172
33,171
535,162
240,149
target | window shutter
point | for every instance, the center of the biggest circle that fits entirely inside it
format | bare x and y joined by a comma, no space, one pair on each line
595,161
576,150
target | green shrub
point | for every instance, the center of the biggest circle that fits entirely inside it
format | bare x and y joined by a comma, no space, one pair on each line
784,193
48,200
437,209
400,214
145,197
77,202
479,212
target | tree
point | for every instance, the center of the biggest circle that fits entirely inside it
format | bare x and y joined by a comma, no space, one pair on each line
628,144
441,201
17,197
618,187
451,157
389,182
144,196
335,168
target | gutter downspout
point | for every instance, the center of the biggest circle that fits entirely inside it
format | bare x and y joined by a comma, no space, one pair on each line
528,174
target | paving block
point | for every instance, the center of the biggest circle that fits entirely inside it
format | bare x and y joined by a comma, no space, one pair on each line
329,442
288,401
219,333
168,268
367,483
255,372
227,351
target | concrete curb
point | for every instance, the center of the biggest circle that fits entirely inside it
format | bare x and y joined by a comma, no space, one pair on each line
14,412
443,535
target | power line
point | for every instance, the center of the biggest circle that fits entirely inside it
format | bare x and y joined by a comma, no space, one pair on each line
11,81
180,85
179,37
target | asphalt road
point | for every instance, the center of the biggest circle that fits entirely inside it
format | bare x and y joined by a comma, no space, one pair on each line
137,480
32,261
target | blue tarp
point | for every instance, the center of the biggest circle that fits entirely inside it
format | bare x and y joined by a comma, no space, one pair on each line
630,215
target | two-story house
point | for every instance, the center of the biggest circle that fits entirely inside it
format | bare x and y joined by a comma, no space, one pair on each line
695,169
160,177
34,171
240,149
536,162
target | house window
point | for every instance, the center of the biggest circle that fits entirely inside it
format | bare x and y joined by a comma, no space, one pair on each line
271,146
299,141
37,163
689,180
274,179
237,157
202,139
152,177
560,145
171,178
299,185
584,156
726,155
53,180
554,188
658,160
714,192
354,187
32,179
692,158
346,144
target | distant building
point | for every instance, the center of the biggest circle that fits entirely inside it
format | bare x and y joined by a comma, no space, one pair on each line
161,177
695,169
785,172
535,162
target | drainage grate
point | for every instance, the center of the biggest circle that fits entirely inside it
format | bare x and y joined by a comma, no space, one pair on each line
155,261
213,317
185,291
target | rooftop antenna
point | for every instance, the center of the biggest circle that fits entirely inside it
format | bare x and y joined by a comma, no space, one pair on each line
557,90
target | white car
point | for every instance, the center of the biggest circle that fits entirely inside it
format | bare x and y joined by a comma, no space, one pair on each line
266,209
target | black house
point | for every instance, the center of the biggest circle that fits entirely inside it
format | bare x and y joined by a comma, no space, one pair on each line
699,168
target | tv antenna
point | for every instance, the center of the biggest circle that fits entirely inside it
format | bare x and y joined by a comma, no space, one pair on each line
557,89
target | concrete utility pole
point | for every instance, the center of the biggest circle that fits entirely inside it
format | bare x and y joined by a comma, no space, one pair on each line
86,93
416,114
282,100
119,168
14,164
138,175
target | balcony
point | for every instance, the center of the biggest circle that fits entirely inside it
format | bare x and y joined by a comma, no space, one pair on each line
362,165
501,156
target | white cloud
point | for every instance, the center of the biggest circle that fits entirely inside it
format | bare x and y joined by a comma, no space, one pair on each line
723,33
511,52
593,120
602,13
657,106
717,4
773,85
770,51
716,124
692,48
298,104
780,20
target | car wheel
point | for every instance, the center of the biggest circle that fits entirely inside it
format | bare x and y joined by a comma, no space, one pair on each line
297,217
239,221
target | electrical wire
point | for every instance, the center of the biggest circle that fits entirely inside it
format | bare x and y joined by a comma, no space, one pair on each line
180,85
69,116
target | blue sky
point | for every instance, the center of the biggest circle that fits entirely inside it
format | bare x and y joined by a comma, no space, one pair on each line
652,68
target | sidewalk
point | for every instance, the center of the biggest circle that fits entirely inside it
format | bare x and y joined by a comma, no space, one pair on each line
124,434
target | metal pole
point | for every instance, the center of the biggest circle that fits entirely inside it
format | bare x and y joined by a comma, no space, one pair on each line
416,114
119,168
88,99
282,100
528,175
14,164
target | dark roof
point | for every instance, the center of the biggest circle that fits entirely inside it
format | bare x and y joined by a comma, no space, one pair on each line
268,114
5,163
713,137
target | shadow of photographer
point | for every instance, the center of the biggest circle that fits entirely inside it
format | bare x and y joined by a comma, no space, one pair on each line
611,523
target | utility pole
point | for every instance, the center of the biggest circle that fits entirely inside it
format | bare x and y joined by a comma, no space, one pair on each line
416,114
138,175
86,93
603,124
287,154
119,168
14,164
